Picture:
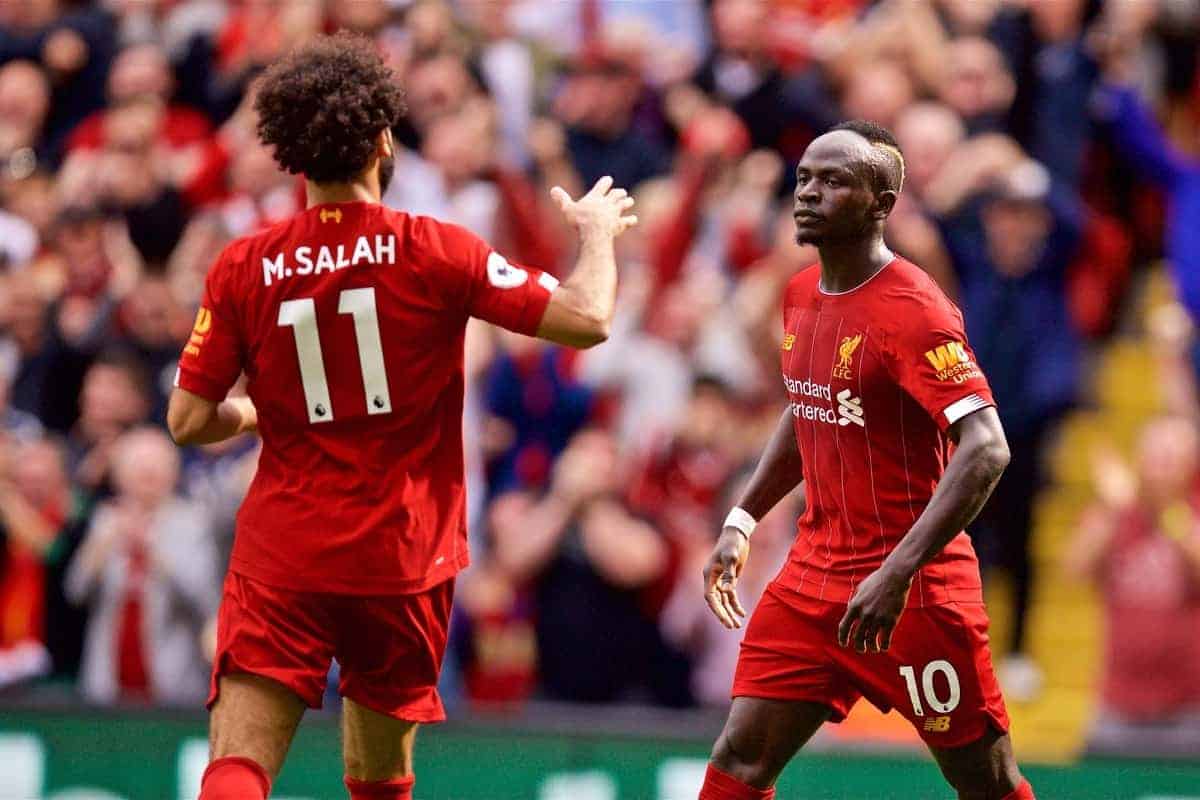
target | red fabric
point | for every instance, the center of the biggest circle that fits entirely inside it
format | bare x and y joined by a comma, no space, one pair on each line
182,126
871,374
290,637
397,789
1022,792
1097,278
672,240
352,496
235,778
1152,611
719,785
522,220
208,182
22,595
745,246
790,652
132,675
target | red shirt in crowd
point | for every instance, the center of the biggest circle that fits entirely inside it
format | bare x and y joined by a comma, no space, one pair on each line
876,375
1152,608
349,322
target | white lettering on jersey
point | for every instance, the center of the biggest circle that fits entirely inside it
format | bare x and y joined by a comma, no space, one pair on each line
304,258
272,269
362,251
503,275
277,267
849,410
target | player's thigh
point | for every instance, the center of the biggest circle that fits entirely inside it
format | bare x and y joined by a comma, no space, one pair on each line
985,769
761,735
376,747
390,650
255,718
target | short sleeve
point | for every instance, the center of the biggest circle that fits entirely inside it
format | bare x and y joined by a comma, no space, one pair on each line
212,358
932,361
484,284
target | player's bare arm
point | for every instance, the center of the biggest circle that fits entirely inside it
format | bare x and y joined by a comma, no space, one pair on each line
980,456
193,419
779,471
581,308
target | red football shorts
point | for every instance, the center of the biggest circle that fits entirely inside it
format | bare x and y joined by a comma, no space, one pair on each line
389,647
937,672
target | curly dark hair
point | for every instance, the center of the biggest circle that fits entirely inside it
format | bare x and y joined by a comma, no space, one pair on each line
322,107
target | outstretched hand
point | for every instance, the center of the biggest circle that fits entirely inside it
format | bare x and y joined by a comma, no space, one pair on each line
721,576
599,212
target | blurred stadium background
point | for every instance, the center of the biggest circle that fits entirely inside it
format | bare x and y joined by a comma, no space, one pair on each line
1053,189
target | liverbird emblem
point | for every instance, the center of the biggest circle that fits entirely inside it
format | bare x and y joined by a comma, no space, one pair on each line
846,356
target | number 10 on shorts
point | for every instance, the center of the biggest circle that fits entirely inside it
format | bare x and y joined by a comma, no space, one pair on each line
930,691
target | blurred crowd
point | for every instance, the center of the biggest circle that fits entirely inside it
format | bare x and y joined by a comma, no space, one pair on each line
1052,150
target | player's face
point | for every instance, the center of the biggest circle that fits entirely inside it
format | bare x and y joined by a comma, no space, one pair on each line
834,197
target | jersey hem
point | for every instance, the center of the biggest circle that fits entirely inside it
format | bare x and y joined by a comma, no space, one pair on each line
943,597
349,585
201,385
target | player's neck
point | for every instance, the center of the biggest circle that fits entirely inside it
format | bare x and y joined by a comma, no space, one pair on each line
849,264
360,191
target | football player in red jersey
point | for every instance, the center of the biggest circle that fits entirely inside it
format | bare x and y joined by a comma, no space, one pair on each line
892,428
348,321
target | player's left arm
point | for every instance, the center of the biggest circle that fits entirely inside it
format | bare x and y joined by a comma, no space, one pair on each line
928,355
979,459
193,419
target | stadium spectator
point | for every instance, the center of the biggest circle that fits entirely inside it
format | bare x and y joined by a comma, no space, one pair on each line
74,45
596,104
24,106
591,566
1011,245
27,531
534,404
114,397
1140,544
142,72
977,84
147,568
1142,143
42,524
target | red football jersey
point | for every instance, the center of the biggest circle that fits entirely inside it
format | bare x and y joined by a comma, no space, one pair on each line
349,322
875,376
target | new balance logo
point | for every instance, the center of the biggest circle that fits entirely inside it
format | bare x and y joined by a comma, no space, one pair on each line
850,409
937,724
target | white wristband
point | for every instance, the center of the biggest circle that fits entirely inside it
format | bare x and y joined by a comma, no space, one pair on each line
740,519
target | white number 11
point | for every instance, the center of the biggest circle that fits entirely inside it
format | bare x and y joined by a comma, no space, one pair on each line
301,316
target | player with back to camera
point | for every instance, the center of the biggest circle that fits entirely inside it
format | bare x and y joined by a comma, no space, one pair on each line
892,427
349,320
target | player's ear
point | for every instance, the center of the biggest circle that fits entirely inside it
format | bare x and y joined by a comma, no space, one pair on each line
885,201
387,144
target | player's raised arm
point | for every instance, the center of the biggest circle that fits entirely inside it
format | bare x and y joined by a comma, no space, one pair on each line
980,456
779,471
581,308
